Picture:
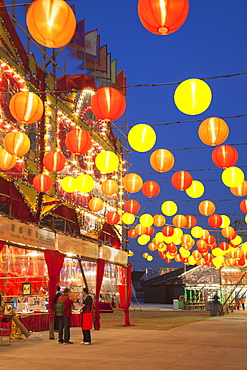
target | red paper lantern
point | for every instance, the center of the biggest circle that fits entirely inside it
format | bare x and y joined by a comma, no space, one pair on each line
208,257
168,230
225,156
149,231
171,247
163,17
181,180
112,218
132,233
168,260
132,206
224,246
243,206
191,221
54,161
210,240
159,220
179,221
42,183
215,220
132,183
150,189
108,104
78,141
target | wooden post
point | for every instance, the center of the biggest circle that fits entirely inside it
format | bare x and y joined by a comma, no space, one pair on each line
82,272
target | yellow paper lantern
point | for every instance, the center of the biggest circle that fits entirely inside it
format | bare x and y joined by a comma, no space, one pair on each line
177,233
225,221
163,248
141,137
145,255
193,96
128,218
196,189
107,161
169,256
192,260
197,232
143,239
160,237
169,208
244,247
84,183
232,177
236,241
52,23
131,253
184,252
150,258
218,261
177,241
68,184
168,239
146,220
218,252
245,219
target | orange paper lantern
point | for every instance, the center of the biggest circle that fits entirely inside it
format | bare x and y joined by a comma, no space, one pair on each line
78,141
54,161
42,183
112,218
16,143
108,104
132,183
162,160
213,131
241,190
179,221
225,156
159,220
7,161
52,23
150,189
140,230
132,206
229,232
163,17
95,204
181,180
26,107
109,187
206,208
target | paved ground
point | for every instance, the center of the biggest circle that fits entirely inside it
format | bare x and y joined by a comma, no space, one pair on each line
215,343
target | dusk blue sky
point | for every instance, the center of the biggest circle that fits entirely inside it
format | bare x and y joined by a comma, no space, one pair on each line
211,42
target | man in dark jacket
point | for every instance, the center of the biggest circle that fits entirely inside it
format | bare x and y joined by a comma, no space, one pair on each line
64,320
58,294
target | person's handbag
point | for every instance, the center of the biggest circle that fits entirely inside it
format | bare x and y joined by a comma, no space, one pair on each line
87,320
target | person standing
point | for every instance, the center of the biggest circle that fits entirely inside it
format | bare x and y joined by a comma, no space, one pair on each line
216,301
87,307
56,320
243,303
64,320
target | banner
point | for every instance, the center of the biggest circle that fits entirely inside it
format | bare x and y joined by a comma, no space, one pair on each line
78,246
31,235
113,255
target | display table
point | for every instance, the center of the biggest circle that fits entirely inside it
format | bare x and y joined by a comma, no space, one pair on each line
40,321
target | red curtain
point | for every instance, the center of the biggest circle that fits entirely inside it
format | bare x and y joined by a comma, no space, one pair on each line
1,245
99,278
125,292
54,261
